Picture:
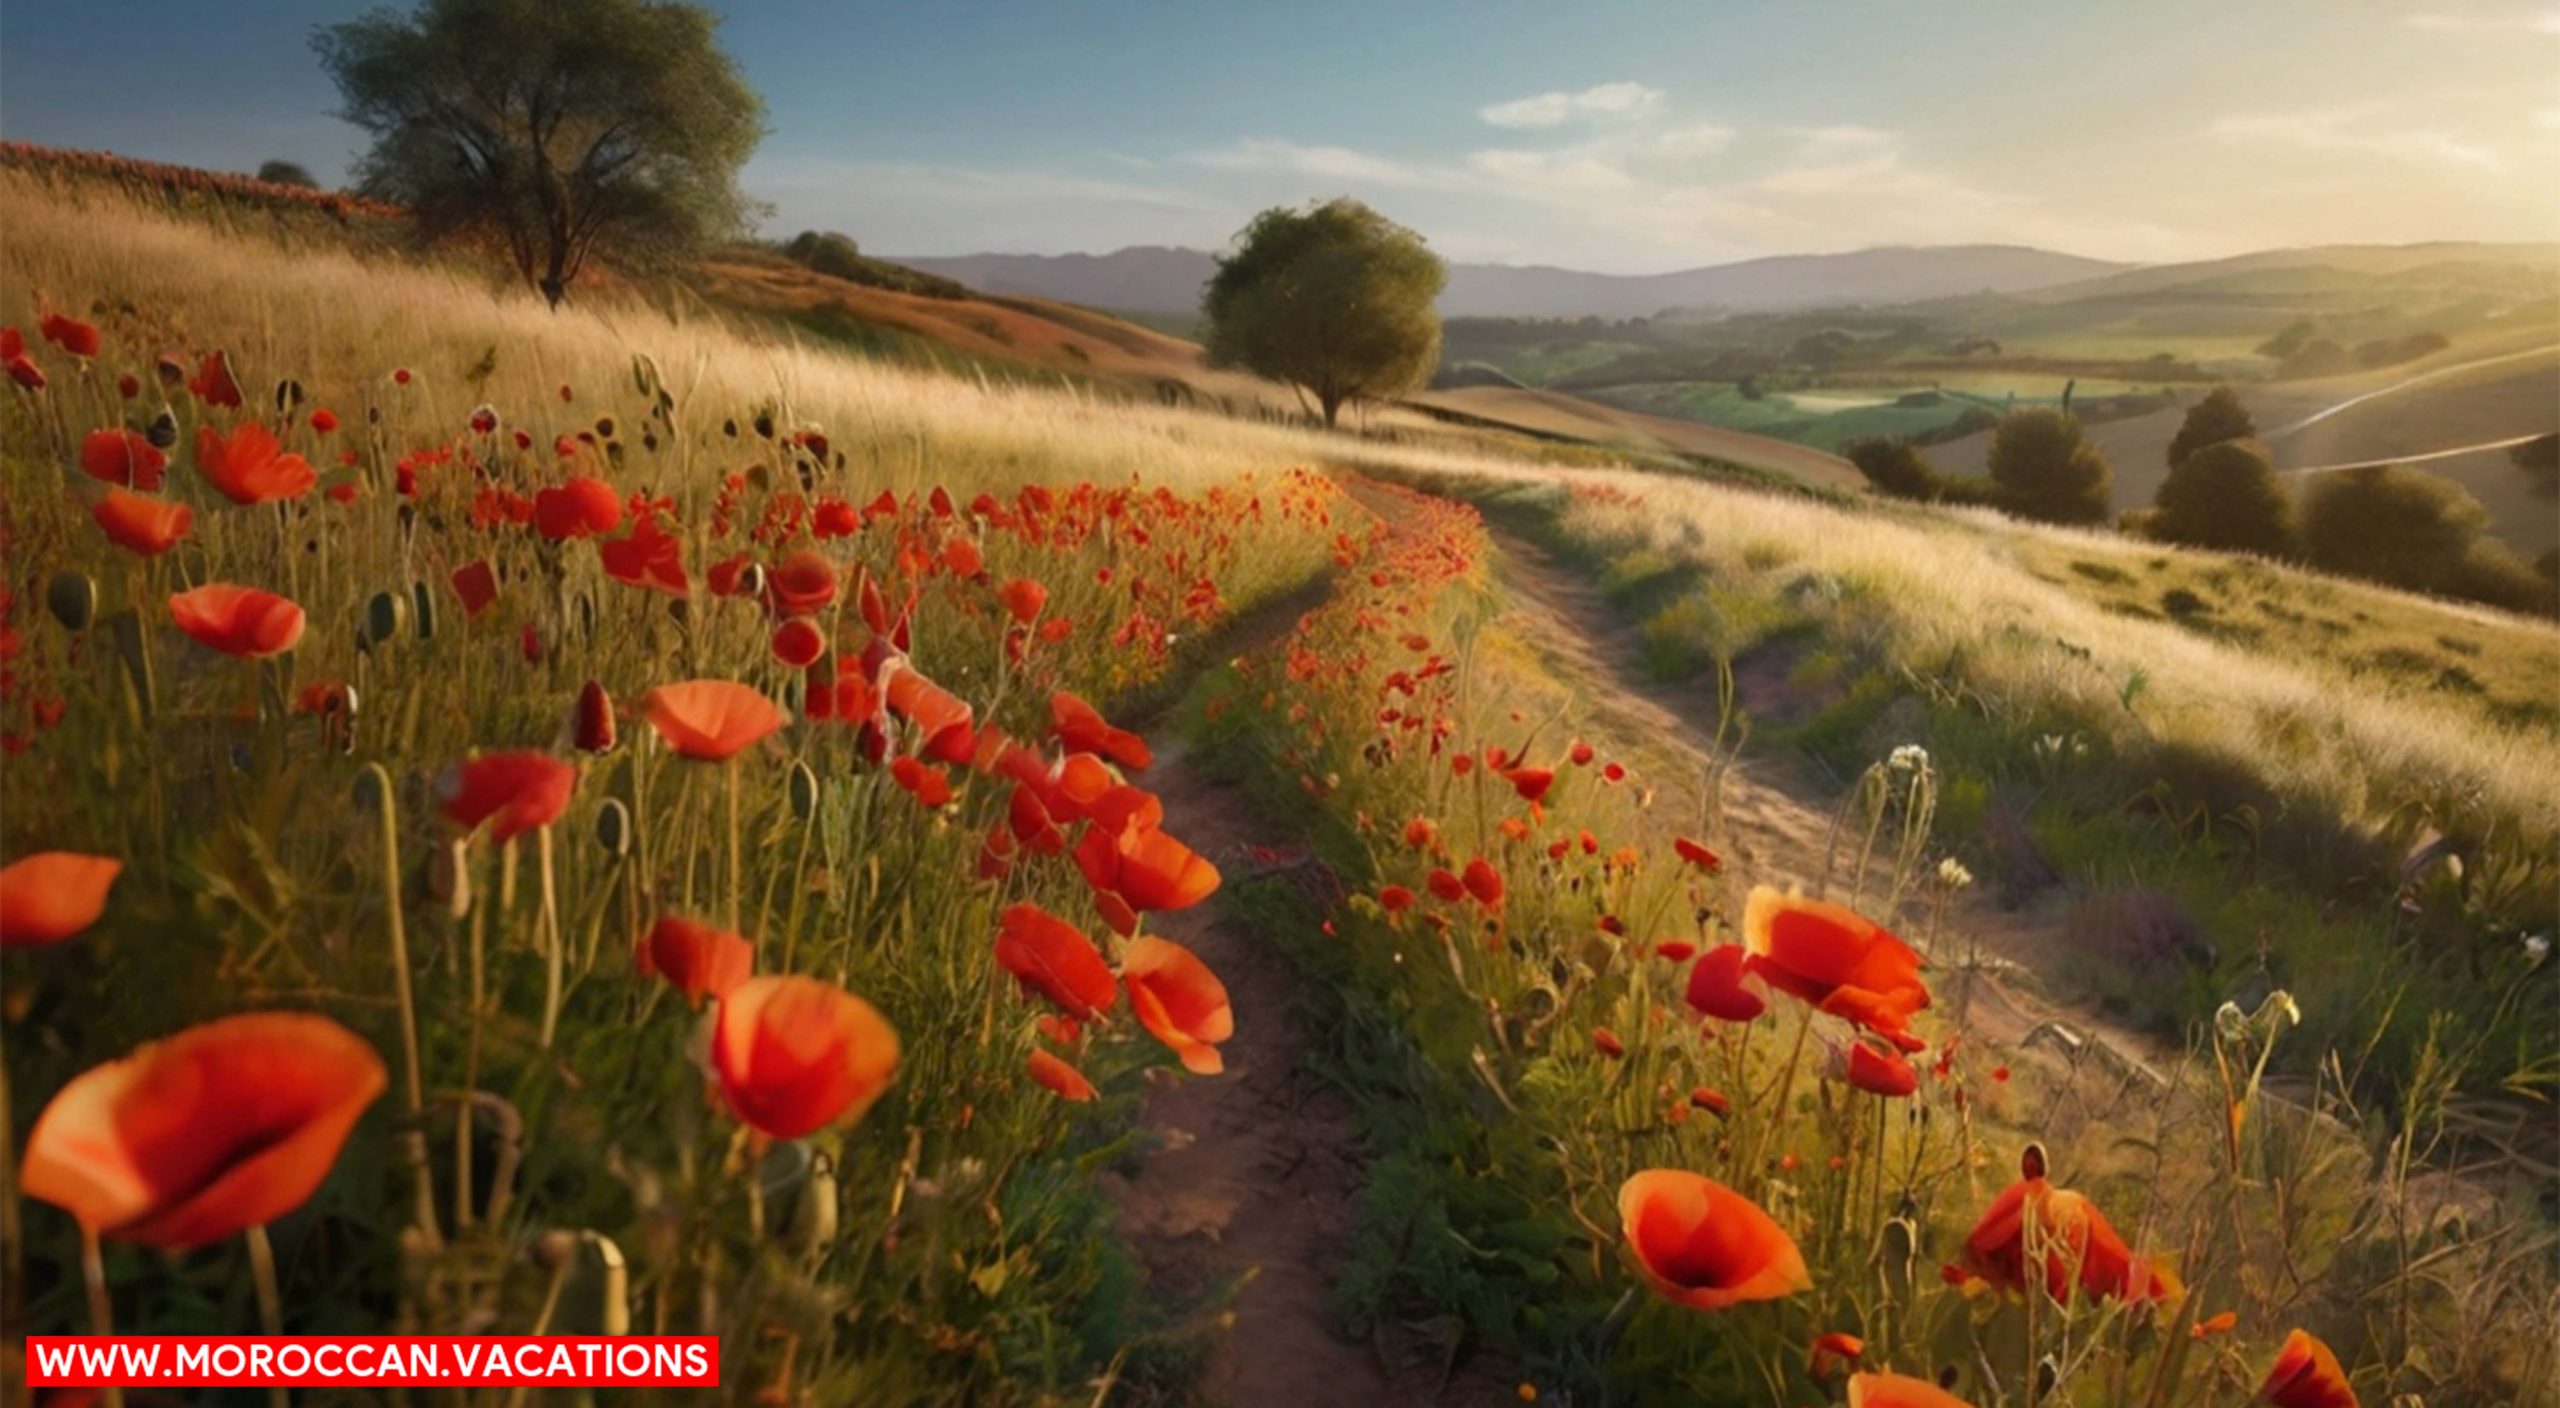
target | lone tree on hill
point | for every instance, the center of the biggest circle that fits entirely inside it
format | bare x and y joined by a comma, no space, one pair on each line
2216,418
1335,299
2043,467
287,173
2227,496
557,126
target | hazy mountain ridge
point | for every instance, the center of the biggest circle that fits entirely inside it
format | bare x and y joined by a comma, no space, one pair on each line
1156,279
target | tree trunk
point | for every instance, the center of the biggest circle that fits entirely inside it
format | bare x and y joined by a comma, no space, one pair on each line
1332,403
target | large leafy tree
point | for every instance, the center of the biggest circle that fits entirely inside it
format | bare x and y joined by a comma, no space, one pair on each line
2226,495
558,127
1335,299
2211,421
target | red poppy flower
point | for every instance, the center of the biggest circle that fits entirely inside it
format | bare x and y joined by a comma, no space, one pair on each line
1179,1001
1705,1246
141,524
1899,1391
51,895
1832,1352
213,382
1417,833
2080,1246
1606,1042
1711,1100
711,720
248,467
70,334
1445,887
1395,899
649,557
583,507
1066,1080
1082,728
123,457
514,792
798,642
699,960
1833,959
1581,753
2306,1375
592,728
24,371
207,1133
1484,882
1531,783
802,584
2212,1325
1696,854
794,1055
1022,599
941,719
1669,950
477,584
962,558
930,786
1143,868
324,420
1879,1072
1723,986
1053,958
238,621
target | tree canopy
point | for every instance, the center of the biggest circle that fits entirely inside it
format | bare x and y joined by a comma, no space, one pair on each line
2042,467
287,173
2216,418
557,126
1335,299
2225,495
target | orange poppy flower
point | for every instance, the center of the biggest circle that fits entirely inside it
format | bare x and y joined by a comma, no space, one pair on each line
1899,1391
1056,1074
1723,986
1053,958
204,1134
248,467
123,457
711,720
2080,1246
51,895
794,1055
1082,728
941,719
1833,959
238,621
141,524
2306,1375
514,792
1143,868
699,960
1023,599
1179,1001
1705,1246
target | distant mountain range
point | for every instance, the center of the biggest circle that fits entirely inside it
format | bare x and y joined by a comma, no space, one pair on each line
1155,279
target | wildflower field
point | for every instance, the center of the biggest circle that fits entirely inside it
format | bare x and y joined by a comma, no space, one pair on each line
604,822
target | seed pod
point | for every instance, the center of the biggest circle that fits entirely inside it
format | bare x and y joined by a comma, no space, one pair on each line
804,791
424,602
73,599
163,430
764,424
613,828
383,614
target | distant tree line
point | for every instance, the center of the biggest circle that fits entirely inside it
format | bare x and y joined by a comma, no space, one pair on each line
2391,524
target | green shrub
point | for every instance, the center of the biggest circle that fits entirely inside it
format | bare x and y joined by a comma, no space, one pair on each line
2042,467
2225,495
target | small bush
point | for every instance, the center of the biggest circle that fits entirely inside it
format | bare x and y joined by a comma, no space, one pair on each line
2224,495
2043,467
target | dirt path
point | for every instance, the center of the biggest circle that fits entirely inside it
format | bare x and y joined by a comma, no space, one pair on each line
1256,1173
1779,824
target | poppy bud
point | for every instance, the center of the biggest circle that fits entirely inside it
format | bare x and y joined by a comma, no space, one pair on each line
425,610
288,394
751,580
593,731
163,431
449,878
813,1219
729,428
804,791
613,828
644,373
764,424
170,370
604,426
373,784
73,599
383,614
126,628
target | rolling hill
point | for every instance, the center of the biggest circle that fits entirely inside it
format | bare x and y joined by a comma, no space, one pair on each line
1154,279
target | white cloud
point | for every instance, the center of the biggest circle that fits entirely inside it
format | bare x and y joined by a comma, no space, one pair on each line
1610,101
1327,163
2364,130
1696,139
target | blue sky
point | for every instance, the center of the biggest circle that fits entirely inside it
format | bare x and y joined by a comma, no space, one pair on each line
1599,135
